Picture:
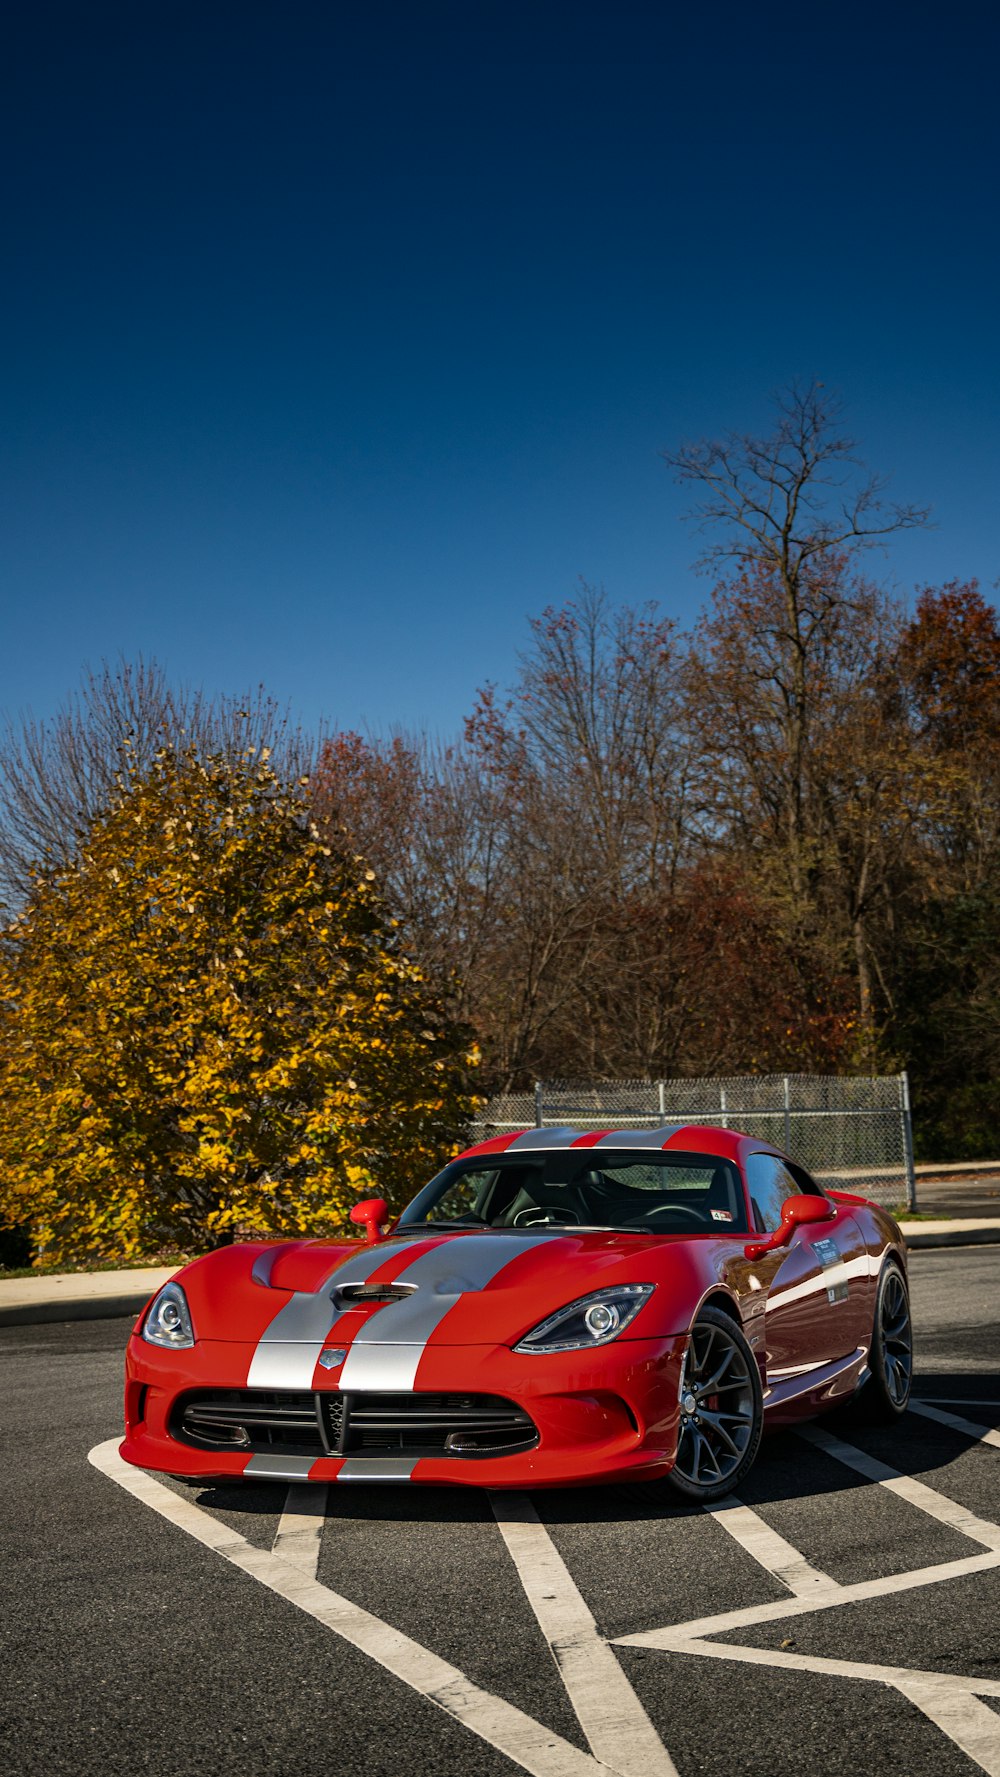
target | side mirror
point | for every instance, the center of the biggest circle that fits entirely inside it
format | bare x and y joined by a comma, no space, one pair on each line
795,1212
370,1215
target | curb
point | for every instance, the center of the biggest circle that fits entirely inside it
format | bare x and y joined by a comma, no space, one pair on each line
962,1237
31,1314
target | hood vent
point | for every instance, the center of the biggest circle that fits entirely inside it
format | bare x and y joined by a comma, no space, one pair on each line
365,1295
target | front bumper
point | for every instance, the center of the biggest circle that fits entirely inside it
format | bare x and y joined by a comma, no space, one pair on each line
604,1415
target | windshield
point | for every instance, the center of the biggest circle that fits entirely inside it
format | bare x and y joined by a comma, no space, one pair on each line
645,1192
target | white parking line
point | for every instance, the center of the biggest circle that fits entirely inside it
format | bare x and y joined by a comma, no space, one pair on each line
897,1675
622,1740
984,1434
617,1727
750,1615
527,1743
769,1549
950,1702
926,1499
301,1527
971,1724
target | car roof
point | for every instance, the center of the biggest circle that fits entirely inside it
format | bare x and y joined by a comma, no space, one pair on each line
691,1138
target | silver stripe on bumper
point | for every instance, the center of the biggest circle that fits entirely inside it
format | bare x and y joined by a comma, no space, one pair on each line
278,1468
388,1369
377,1468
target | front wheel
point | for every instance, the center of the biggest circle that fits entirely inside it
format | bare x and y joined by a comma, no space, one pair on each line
886,1394
722,1411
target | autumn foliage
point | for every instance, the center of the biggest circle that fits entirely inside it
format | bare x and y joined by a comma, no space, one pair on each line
209,1027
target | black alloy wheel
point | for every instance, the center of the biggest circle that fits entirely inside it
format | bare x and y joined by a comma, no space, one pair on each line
722,1411
886,1394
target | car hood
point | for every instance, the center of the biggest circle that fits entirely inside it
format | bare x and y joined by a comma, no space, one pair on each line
475,1287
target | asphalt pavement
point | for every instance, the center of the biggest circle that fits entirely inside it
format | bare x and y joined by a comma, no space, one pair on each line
844,1618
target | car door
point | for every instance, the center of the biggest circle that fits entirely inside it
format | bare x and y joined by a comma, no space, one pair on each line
817,1295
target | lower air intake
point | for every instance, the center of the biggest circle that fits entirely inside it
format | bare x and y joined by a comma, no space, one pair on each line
461,1425
328,1423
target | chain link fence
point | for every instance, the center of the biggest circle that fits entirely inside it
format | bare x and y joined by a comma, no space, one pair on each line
852,1131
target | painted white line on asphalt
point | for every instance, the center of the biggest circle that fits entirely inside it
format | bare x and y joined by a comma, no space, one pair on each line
752,1614
950,1702
301,1526
617,1727
527,1743
898,1675
769,1549
925,1498
972,1725
984,1434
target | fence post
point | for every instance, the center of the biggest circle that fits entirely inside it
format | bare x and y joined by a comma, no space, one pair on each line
661,1092
722,1106
788,1118
904,1109
539,1114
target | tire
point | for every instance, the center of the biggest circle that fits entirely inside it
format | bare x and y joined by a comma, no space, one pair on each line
720,1428
885,1396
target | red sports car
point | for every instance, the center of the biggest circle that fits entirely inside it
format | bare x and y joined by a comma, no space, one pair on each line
553,1307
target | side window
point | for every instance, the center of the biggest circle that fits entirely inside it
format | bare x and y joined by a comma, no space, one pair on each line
804,1181
770,1184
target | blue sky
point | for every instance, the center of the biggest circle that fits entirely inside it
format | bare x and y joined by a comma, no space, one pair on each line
338,339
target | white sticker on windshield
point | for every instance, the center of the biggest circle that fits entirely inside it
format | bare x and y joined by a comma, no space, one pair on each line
721,1215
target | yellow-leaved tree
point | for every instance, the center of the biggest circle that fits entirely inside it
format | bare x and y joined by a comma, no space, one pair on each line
209,1026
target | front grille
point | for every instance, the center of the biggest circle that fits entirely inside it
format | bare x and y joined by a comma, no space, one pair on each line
252,1419
328,1423
453,1424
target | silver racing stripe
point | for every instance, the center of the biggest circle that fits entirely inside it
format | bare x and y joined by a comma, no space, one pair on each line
278,1468
388,1348
377,1468
639,1138
288,1350
544,1138
566,1137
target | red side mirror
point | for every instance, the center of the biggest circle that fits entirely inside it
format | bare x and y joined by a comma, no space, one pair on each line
795,1211
371,1214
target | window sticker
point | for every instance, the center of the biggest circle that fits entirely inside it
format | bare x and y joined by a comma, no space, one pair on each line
721,1215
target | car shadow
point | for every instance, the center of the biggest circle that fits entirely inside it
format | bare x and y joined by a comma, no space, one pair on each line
788,1467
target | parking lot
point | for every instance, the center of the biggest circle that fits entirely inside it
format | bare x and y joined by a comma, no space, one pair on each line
843,1615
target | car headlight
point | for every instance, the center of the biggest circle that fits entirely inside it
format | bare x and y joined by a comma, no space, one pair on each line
591,1320
168,1320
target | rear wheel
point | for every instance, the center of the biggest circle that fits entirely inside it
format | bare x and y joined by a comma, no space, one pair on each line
886,1394
722,1411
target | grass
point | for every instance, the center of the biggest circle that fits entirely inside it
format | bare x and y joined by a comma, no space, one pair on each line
70,1267
902,1214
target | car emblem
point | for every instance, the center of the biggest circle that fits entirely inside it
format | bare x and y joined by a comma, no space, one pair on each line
328,1360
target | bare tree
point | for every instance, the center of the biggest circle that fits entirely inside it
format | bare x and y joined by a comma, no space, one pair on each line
810,773
789,512
56,775
531,863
